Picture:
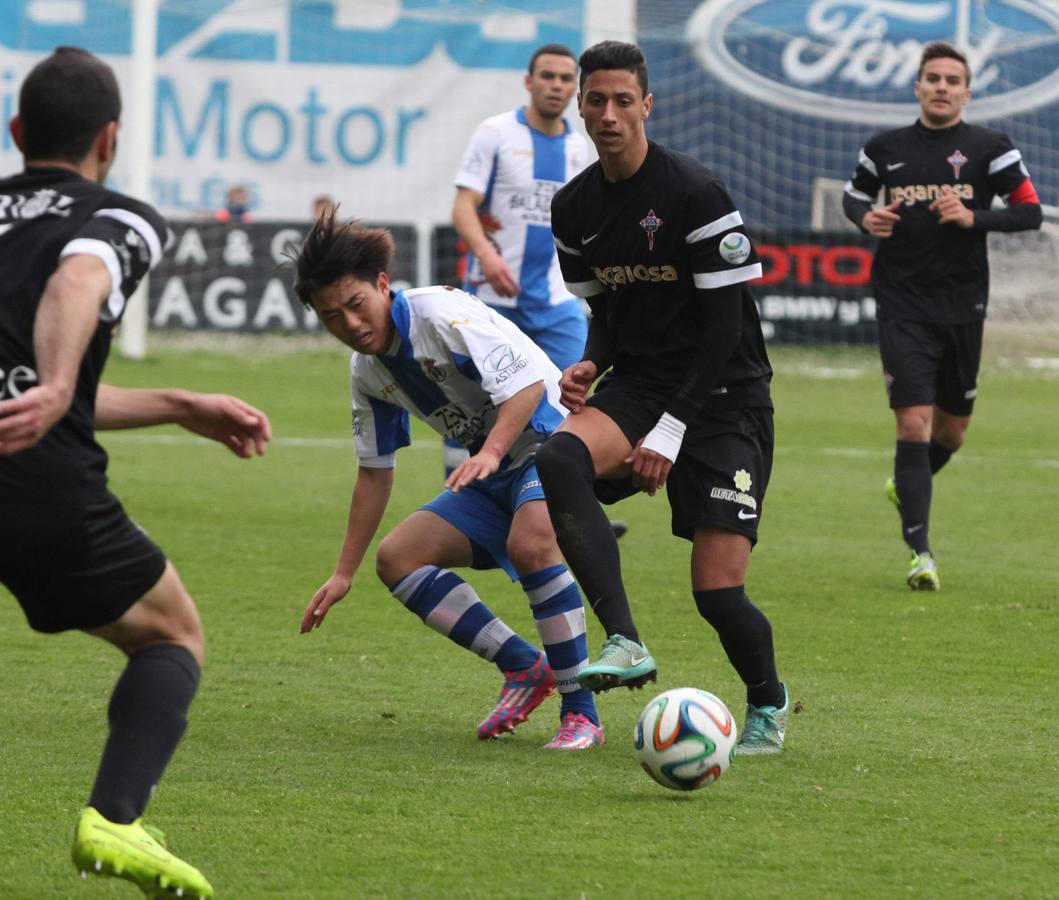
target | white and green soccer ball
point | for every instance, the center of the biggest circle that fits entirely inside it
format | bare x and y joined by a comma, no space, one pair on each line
685,739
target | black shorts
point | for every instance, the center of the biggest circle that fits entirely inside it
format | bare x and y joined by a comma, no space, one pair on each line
926,364
77,564
722,471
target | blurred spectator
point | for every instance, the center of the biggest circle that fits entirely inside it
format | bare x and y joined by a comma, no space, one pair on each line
322,204
236,205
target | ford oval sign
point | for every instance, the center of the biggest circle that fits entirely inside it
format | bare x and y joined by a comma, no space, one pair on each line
856,60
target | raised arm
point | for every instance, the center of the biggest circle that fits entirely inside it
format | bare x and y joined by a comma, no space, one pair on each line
242,428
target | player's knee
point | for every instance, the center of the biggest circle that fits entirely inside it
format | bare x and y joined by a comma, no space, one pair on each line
914,423
564,459
175,620
388,565
395,559
531,550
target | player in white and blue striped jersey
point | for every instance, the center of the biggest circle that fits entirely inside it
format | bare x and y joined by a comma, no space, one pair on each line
443,356
513,164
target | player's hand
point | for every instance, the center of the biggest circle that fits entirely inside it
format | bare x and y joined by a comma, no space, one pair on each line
239,426
483,464
24,420
498,274
649,469
334,589
880,222
574,384
950,208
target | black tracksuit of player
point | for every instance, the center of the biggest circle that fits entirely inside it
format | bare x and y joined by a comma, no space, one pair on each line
927,272
54,502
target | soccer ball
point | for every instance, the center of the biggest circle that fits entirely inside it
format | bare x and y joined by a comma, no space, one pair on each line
685,739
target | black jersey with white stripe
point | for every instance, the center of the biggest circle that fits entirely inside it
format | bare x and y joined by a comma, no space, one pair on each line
927,271
45,215
646,253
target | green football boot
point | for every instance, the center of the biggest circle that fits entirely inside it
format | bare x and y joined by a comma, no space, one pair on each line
622,663
923,573
891,493
136,853
764,729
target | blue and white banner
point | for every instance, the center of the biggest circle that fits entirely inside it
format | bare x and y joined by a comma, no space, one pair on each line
369,101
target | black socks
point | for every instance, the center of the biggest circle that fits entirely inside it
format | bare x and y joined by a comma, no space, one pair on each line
147,716
746,636
583,532
939,455
912,474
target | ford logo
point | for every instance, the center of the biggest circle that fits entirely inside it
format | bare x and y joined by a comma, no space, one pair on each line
856,60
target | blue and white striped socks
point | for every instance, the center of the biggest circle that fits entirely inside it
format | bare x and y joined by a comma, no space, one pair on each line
450,606
560,618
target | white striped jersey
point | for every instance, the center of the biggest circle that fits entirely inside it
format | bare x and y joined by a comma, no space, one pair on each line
453,362
519,169
646,253
927,271
45,215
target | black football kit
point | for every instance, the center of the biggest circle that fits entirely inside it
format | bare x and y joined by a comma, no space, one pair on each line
664,261
67,549
931,280
925,271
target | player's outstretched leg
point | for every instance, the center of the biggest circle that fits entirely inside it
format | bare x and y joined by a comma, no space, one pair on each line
450,606
764,729
621,663
136,853
522,692
559,614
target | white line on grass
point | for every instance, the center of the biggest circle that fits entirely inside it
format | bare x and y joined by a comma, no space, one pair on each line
849,452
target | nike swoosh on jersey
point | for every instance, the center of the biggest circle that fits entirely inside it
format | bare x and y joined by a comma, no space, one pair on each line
743,514
893,167
589,240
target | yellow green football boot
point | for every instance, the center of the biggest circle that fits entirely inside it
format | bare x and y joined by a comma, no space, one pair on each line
923,573
136,853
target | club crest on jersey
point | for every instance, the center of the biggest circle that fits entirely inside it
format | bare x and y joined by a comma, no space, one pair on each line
957,161
435,371
651,223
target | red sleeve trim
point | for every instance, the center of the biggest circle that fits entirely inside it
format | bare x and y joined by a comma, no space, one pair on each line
1024,193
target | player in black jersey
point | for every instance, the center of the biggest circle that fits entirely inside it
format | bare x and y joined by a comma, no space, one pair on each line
71,253
931,275
654,243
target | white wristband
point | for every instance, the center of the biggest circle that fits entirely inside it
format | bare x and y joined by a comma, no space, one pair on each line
666,437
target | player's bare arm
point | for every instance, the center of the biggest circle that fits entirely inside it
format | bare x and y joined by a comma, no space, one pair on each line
66,320
371,494
881,222
469,226
242,428
512,417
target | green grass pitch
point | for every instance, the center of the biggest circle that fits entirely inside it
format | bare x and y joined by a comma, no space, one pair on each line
923,762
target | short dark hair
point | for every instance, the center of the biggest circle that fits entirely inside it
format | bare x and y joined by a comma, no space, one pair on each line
64,102
614,55
943,50
333,250
551,50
